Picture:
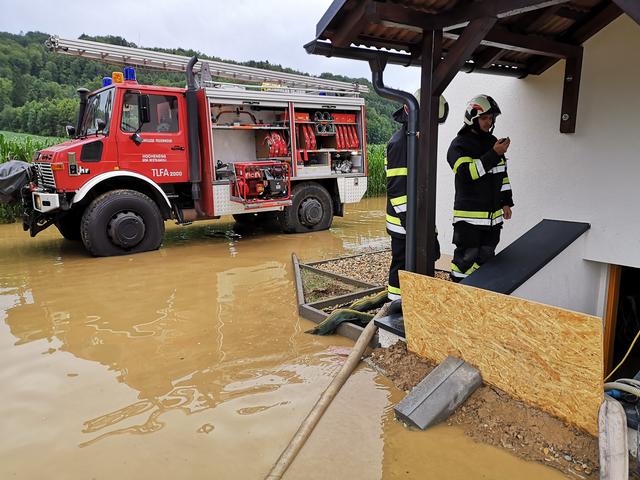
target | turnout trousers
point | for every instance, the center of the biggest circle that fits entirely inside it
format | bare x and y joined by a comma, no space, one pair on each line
398,251
474,246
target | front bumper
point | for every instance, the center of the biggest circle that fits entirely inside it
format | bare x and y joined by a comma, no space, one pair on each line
45,202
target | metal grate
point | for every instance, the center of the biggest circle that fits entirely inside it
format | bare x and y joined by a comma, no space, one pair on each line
44,175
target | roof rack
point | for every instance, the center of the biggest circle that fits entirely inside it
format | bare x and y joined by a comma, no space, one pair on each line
118,55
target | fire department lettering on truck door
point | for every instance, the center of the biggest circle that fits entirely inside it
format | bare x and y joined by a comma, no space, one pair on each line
162,154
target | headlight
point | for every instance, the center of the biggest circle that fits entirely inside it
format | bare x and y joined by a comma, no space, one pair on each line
36,156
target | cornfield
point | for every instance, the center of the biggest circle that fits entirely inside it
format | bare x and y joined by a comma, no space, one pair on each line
377,181
19,147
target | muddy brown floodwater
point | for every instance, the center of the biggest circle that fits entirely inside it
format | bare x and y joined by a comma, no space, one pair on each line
191,362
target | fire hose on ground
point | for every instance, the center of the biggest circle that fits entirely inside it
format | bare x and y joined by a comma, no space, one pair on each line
309,423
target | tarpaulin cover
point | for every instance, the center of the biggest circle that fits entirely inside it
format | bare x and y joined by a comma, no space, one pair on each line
14,174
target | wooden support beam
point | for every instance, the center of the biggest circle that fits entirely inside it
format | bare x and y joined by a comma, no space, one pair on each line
571,93
534,45
631,8
427,154
352,25
460,52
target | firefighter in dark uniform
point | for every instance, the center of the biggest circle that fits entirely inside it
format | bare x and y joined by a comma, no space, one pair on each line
396,168
483,190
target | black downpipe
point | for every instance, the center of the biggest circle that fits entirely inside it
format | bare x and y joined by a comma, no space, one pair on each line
83,93
193,127
377,69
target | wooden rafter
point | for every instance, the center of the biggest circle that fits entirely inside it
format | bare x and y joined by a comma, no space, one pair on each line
536,45
460,52
353,24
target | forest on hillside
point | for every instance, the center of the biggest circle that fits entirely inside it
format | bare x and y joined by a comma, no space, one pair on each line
38,88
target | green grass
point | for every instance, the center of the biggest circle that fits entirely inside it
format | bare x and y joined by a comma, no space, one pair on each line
377,181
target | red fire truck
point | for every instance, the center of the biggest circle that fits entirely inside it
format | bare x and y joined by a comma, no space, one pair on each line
267,144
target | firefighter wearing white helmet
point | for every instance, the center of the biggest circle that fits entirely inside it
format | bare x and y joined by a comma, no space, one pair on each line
483,197
396,170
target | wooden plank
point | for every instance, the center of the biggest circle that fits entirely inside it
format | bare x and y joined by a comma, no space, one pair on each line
611,315
545,356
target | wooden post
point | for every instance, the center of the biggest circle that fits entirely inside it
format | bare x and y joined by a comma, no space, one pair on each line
427,155
611,316
571,93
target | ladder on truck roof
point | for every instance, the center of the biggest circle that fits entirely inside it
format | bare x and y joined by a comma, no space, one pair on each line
118,55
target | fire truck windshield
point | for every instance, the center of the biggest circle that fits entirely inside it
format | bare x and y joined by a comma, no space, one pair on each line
99,107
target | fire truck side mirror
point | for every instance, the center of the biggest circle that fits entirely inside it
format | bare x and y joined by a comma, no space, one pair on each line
137,139
144,109
100,125
71,130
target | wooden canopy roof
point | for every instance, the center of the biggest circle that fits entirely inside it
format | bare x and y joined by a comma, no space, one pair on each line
505,37
528,37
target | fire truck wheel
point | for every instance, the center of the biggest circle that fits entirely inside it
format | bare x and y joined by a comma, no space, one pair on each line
68,225
121,222
311,209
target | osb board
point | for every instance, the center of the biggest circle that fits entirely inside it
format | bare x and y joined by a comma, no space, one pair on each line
545,356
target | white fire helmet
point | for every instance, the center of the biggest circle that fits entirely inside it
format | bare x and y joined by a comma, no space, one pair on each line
480,105
443,109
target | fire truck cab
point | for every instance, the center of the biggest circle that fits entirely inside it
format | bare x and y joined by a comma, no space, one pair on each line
290,148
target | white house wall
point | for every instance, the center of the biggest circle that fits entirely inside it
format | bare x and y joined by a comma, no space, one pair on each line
591,176
569,282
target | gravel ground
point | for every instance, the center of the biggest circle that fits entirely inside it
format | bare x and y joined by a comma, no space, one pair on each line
371,268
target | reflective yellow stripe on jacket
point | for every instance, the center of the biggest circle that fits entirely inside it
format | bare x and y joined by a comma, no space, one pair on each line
396,172
478,218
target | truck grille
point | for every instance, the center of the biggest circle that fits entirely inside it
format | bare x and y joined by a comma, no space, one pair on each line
44,175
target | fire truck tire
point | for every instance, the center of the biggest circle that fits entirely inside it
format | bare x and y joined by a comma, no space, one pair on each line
68,224
121,222
311,209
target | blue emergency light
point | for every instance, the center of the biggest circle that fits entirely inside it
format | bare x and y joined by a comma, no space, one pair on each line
129,74
106,81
